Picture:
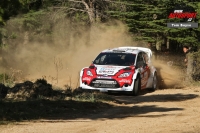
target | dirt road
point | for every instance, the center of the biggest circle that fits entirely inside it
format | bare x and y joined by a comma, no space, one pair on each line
168,110
163,111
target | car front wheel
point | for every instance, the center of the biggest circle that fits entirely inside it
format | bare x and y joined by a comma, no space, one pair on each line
137,86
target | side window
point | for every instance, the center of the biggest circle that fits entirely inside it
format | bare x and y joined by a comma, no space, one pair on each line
100,59
140,61
146,58
103,58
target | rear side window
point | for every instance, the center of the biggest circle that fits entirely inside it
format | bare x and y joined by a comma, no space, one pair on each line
140,61
146,57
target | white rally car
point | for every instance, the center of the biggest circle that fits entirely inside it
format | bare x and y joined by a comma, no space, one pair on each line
120,69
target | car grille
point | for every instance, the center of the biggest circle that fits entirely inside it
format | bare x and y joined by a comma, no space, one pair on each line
104,83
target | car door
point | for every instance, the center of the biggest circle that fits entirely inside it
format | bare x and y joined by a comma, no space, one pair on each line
143,68
148,65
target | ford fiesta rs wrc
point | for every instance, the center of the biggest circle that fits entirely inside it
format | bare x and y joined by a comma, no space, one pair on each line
127,69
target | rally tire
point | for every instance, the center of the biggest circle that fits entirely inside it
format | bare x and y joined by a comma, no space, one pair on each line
137,86
155,82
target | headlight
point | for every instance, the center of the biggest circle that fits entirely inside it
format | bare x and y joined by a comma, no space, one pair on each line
126,74
89,73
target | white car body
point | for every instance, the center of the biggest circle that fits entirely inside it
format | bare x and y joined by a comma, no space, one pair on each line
123,76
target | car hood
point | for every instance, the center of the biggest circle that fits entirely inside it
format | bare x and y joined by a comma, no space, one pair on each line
108,70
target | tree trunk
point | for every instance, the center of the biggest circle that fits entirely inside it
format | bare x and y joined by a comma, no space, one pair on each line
168,44
91,14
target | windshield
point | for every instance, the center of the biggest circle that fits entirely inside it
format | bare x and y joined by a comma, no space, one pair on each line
118,59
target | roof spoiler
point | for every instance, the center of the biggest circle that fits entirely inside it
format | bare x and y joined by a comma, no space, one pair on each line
146,50
116,50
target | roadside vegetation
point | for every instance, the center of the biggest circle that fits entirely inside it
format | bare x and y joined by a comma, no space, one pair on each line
40,100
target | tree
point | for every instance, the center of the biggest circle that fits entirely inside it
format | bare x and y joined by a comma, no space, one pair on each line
147,20
85,12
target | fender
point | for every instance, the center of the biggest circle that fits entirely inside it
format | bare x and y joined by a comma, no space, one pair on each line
135,74
81,74
153,70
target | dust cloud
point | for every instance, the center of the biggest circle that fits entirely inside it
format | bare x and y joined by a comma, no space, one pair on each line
60,57
60,60
168,76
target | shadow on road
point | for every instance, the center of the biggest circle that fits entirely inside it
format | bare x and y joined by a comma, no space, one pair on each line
154,98
134,111
71,110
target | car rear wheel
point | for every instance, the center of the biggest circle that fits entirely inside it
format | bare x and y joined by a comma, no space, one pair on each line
137,86
155,82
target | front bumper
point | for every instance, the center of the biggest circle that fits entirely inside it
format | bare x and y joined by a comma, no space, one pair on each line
120,89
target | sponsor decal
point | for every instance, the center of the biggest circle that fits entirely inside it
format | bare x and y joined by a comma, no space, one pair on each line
110,67
87,79
125,81
104,85
104,82
107,70
104,77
